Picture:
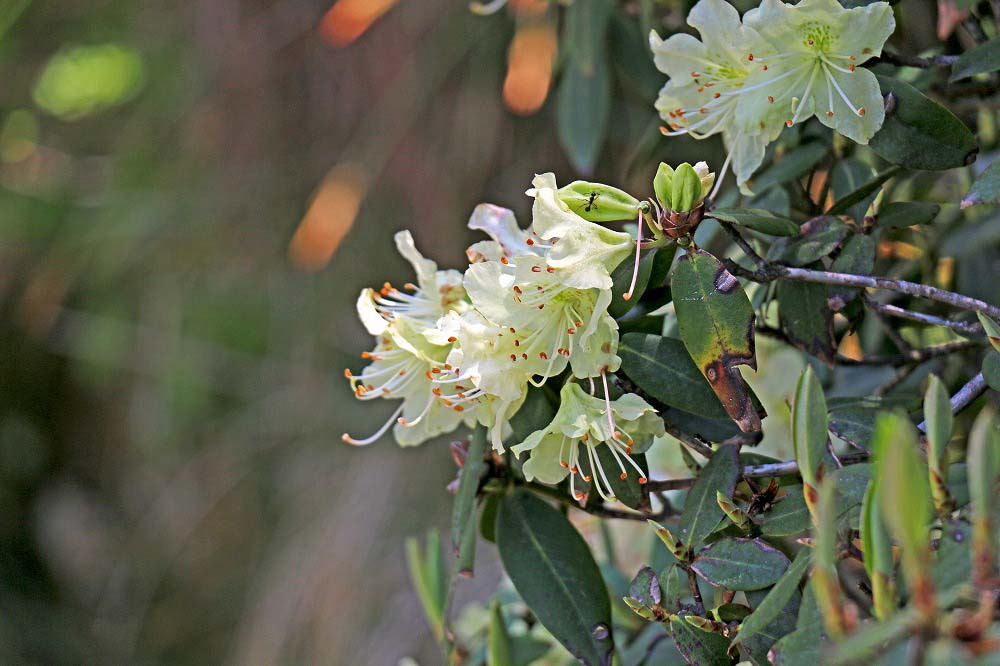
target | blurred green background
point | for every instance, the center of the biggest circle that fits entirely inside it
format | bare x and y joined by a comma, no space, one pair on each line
192,194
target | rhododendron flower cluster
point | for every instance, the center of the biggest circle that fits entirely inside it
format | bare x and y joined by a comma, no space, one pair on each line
461,349
779,66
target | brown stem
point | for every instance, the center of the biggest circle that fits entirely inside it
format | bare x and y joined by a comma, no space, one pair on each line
920,317
597,510
777,272
900,60
790,468
966,395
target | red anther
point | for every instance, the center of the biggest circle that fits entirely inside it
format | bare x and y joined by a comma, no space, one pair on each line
436,370
402,372
642,480
543,355
788,123
716,95
588,478
530,242
503,260
810,42
851,66
542,306
517,343
623,476
571,331
695,74
524,356
770,98
512,329
550,270
429,375
861,111
452,339
829,113
617,435
703,110
765,68
586,436
709,84
536,269
458,408
436,391
347,373
701,89
853,58
564,464
628,450
750,57
366,354
459,387
579,323
517,290
574,469
447,366
371,388
579,497
385,391
513,357
410,286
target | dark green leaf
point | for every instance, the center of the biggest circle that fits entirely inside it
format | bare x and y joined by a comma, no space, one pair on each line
701,510
488,518
583,103
809,426
699,648
715,319
740,564
986,189
645,588
712,430
788,516
853,184
816,239
980,60
554,572
535,413
630,55
907,213
920,133
871,640
991,369
763,221
777,599
857,257
794,164
464,510
652,647
806,318
622,277
953,565
528,650
662,367
628,490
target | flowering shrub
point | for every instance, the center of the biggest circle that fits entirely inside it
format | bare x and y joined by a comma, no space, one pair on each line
573,354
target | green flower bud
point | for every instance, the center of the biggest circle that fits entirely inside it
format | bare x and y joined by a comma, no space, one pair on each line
685,189
733,512
675,547
663,184
599,203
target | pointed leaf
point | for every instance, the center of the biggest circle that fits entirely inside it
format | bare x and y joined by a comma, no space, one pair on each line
980,60
857,257
788,516
806,318
986,188
501,651
716,319
553,570
907,214
816,239
877,547
845,203
701,512
992,329
699,648
809,427
921,134
757,219
777,598
464,509
740,564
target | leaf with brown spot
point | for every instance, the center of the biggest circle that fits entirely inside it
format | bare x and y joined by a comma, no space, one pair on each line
716,321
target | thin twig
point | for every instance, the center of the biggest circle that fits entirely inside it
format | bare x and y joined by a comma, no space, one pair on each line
777,272
966,395
900,60
597,510
789,468
695,591
920,317
742,243
901,344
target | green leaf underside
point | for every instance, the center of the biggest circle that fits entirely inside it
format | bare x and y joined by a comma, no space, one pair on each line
843,204
816,239
715,319
907,213
698,647
986,188
857,257
553,570
980,60
920,133
809,425
628,490
501,650
662,367
788,516
806,318
740,564
701,512
757,219
777,598
991,369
